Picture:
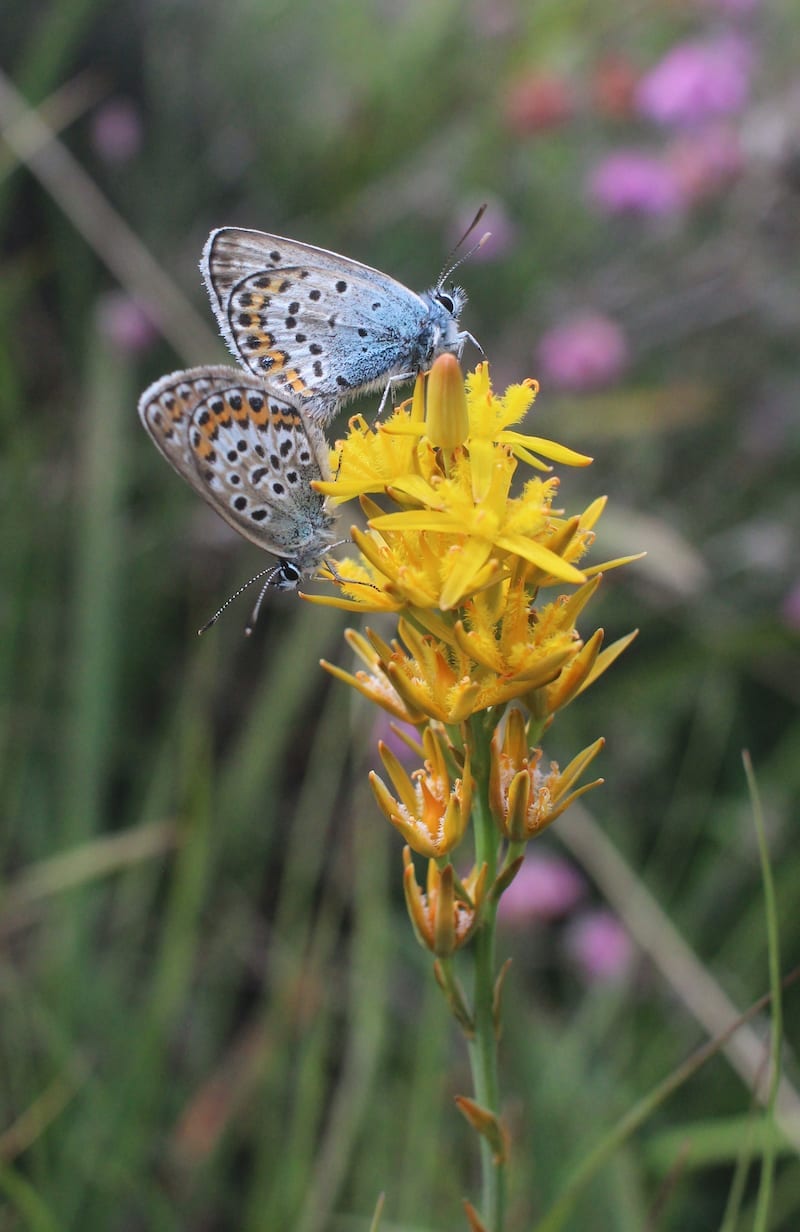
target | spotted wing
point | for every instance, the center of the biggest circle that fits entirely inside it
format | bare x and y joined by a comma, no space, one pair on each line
248,452
319,324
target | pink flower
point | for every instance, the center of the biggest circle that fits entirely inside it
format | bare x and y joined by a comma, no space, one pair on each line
613,86
632,182
600,946
733,8
790,609
538,102
697,82
545,888
587,352
125,322
384,729
706,161
116,131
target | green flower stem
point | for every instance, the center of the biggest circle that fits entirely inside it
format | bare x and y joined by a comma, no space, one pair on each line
483,1045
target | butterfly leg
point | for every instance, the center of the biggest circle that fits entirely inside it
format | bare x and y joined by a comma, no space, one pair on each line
465,337
393,380
337,577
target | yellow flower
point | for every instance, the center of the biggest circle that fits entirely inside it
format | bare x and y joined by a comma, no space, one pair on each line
430,814
445,915
490,416
525,801
446,466
450,681
374,684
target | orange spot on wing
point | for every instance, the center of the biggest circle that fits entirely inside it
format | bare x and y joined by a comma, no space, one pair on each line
295,381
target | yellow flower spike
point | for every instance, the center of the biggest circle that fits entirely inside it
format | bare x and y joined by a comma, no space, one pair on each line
591,515
433,622
554,568
450,705
446,417
408,802
608,656
509,753
529,666
560,541
430,814
373,645
444,910
572,680
418,400
446,687
523,644
573,604
368,458
445,915
514,822
524,800
576,767
375,550
376,689
374,684
433,915
442,680
490,414
358,590
466,564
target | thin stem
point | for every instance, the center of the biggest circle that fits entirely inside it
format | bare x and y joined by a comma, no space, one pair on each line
483,1045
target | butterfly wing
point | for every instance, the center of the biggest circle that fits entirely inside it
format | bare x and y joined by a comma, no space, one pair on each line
249,453
319,324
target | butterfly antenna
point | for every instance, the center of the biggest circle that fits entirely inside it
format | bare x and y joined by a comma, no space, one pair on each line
450,269
251,624
269,574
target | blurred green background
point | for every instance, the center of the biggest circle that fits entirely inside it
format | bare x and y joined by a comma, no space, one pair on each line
214,1015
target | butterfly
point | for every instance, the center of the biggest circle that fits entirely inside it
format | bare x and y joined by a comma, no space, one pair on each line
320,326
252,456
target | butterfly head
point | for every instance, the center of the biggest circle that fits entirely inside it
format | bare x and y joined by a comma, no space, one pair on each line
287,575
452,301
442,333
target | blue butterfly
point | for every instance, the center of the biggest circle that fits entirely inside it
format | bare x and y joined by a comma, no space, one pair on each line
319,327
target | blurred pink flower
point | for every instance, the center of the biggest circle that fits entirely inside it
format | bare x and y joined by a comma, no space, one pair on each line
613,85
116,131
790,609
538,102
125,322
588,352
600,946
632,182
696,82
495,18
383,729
545,888
705,161
733,8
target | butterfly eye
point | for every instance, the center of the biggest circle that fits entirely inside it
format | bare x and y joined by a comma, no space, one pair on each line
288,575
445,300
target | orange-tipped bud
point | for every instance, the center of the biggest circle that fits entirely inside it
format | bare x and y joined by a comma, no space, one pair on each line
429,812
446,417
523,799
446,914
